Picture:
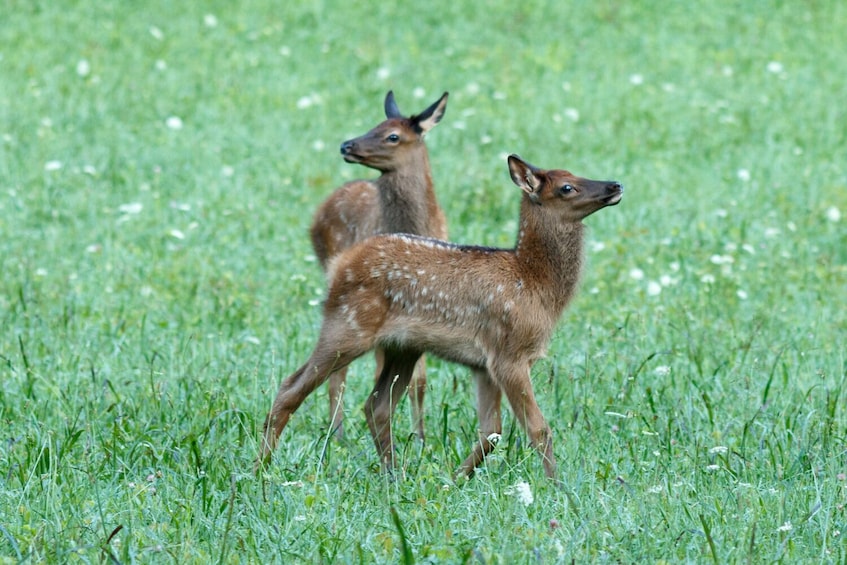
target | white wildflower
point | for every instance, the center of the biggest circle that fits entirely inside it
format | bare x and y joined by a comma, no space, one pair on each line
775,67
174,122
419,92
131,208
597,246
833,214
83,68
721,213
771,232
712,468
522,491
227,171
743,175
786,527
707,278
718,449
662,370
156,33
383,73
318,145
636,274
656,489
53,165
572,114
160,65
176,234
742,294
209,20
636,79
654,288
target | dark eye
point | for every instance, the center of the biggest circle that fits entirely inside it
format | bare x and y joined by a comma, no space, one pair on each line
393,138
566,189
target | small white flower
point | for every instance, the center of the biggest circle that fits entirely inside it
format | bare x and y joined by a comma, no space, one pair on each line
41,272
662,371
299,518
791,226
742,294
597,246
775,67
227,171
833,214
636,79
636,274
156,33
497,95
572,114
721,213
712,468
285,51
654,288
485,140
594,290
743,175
131,208
83,68
174,122
749,248
771,232
718,449
209,20
304,102
160,65
472,88
89,170
657,489
314,302
674,266
786,527
146,291
522,491
727,71
707,279
176,234
52,165
460,125
666,280
318,145
298,484
419,92
255,341
383,73
94,248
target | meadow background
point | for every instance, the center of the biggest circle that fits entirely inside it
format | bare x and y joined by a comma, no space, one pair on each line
159,166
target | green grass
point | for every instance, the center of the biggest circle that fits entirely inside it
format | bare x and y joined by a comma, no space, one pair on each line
158,283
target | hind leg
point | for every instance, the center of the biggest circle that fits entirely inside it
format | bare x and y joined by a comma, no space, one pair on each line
330,355
337,385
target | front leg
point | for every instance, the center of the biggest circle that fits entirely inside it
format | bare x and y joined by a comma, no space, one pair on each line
490,422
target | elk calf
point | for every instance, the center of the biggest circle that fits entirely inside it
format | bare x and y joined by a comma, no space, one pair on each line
492,310
401,200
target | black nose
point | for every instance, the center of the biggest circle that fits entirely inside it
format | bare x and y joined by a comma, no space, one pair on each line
346,147
615,186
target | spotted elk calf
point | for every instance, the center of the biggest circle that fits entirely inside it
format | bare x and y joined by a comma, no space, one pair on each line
492,310
400,200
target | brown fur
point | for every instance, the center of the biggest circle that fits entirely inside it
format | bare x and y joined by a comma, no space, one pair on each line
401,200
492,310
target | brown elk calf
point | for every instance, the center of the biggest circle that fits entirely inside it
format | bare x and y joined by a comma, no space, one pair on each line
401,200
492,310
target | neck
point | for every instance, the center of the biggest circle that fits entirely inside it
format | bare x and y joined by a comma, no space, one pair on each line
550,252
407,197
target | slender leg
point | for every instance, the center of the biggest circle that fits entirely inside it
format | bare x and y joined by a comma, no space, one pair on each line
518,388
417,391
337,384
488,410
330,355
380,406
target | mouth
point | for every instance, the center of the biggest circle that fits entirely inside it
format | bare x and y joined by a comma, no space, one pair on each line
613,199
350,157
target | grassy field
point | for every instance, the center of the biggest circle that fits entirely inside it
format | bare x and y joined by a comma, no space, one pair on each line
159,166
